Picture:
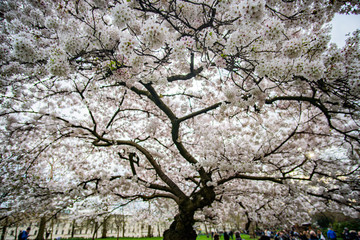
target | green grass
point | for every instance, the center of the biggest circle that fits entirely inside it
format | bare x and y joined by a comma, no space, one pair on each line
131,238
243,236
200,237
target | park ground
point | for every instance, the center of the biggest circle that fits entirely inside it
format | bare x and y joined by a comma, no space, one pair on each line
200,237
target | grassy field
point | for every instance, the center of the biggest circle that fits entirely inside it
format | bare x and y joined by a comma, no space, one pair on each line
200,237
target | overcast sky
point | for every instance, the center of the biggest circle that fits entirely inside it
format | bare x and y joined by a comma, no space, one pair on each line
343,24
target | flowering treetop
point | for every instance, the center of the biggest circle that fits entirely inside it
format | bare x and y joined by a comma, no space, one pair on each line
216,105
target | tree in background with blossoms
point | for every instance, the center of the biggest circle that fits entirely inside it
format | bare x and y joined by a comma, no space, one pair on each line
209,106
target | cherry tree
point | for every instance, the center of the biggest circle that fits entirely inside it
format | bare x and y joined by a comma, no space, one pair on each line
212,106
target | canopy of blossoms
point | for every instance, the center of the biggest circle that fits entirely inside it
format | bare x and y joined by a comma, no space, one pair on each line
206,107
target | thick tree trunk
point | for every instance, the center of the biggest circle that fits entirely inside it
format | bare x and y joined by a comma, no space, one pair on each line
252,228
181,228
41,232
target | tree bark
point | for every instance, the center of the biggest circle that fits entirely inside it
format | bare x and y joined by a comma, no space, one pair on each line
40,235
206,230
52,228
104,228
95,231
16,232
4,228
181,228
123,227
149,233
73,229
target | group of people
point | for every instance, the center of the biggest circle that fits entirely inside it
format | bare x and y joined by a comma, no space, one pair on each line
313,235
292,235
227,235
346,234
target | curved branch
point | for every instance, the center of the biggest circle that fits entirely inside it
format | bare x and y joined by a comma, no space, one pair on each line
188,76
247,177
173,187
329,198
146,197
205,110
317,103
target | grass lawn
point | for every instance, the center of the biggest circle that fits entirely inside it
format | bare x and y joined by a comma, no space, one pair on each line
200,237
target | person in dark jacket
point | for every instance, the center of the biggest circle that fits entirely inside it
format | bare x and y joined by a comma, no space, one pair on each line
237,236
313,236
226,236
346,234
231,234
353,235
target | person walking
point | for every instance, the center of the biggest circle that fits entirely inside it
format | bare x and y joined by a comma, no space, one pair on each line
346,234
231,234
24,235
320,236
303,235
331,235
353,235
226,236
237,236
313,235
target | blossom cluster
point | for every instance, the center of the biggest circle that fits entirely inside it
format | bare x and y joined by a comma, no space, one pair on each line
24,50
58,64
253,10
122,15
154,34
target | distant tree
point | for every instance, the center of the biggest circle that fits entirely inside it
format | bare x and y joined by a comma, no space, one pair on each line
104,226
41,230
120,224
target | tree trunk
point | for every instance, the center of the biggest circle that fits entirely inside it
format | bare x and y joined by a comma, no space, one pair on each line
95,230
149,233
41,231
4,228
248,223
123,227
52,228
206,230
252,229
73,229
104,228
181,228
16,232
